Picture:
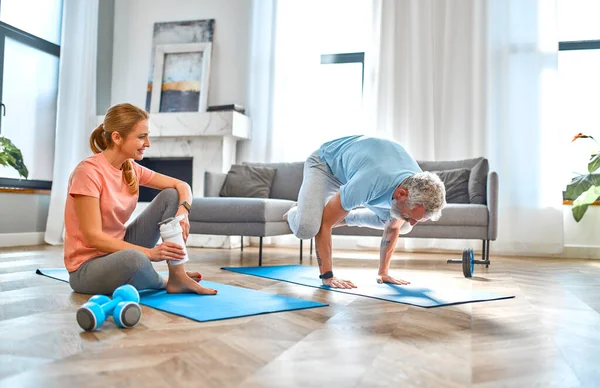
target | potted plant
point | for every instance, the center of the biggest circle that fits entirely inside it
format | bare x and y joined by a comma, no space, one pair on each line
584,189
10,156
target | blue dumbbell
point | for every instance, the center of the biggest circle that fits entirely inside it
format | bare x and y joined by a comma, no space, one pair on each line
124,307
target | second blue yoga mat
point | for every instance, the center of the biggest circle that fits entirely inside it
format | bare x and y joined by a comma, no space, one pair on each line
230,302
411,294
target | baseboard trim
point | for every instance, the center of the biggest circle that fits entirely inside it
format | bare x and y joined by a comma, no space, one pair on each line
581,252
21,239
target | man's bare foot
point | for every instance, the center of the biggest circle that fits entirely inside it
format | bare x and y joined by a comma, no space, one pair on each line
286,213
181,284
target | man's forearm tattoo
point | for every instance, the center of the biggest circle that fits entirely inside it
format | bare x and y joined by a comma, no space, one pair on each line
385,243
319,261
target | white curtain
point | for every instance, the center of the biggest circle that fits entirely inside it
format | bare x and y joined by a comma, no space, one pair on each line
76,116
314,102
295,103
456,79
261,78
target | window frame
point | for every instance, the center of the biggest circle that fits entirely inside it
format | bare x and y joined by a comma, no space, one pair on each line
7,30
357,57
579,45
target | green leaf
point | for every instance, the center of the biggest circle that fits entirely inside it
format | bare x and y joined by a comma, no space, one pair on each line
594,163
578,212
582,202
11,156
581,184
588,197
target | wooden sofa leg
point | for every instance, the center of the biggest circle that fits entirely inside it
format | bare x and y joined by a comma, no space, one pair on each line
260,252
311,246
301,251
242,244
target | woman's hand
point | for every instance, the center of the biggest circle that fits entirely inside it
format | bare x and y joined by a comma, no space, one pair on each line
166,251
185,222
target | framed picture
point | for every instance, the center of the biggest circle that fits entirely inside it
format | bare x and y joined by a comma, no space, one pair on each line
183,72
188,31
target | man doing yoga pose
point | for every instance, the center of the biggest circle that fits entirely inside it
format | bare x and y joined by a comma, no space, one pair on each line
363,181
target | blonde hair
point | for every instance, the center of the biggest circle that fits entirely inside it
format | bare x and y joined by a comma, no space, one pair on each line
119,118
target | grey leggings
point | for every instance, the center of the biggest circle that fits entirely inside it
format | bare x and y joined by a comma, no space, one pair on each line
318,186
103,274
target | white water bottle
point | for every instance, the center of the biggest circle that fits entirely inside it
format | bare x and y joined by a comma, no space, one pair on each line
170,230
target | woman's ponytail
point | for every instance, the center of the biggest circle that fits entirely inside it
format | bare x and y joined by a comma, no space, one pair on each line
129,176
98,140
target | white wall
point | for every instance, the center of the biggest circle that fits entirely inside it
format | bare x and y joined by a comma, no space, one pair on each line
23,218
23,213
582,238
133,27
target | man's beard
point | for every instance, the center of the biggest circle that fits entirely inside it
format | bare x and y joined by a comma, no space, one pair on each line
394,211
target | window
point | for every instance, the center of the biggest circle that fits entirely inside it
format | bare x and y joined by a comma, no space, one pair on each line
29,61
579,77
319,72
355,62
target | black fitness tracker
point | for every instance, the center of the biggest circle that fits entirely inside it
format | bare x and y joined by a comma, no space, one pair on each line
326,275
186,205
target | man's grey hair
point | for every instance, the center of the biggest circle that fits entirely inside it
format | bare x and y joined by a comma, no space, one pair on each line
428,190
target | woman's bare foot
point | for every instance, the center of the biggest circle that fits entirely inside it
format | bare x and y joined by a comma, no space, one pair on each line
197,276
186,284
286,213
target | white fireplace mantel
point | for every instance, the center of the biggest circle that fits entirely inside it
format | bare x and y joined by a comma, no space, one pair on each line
198,124
194,124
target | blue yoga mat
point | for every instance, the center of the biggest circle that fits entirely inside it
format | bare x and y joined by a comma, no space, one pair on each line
230,302
410,294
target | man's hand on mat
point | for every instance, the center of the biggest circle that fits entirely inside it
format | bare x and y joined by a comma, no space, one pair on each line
338,283
166,251
391,280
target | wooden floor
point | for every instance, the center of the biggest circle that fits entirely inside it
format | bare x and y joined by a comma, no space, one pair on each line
549,335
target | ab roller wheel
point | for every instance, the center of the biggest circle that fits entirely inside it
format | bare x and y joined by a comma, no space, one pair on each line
468,262
124,307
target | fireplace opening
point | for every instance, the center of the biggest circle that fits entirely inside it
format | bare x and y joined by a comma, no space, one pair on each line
180,168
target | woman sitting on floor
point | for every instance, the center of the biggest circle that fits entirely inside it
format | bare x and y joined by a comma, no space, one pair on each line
101,253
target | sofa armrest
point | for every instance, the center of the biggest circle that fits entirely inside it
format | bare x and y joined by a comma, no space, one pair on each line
492,203
213,181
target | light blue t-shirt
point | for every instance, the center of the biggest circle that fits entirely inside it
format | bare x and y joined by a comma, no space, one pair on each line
370,169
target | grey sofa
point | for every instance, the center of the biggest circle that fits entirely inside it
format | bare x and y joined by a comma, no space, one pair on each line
262,217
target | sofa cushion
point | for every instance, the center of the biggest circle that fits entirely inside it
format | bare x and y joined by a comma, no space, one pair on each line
287,181
479,168
213,181
478,182
220,209
459,214
457,184
248,182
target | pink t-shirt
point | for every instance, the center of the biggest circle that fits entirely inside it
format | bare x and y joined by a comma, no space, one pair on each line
96,177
